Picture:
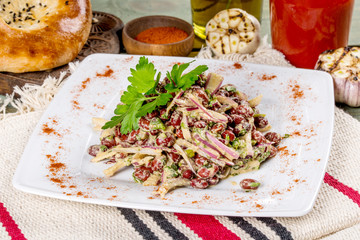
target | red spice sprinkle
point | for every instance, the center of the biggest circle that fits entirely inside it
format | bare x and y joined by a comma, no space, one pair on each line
206,197
54,167
129,59
297,93
56,180
259,206
46,129
238,65
76,104
107,73
79,193
283,151
193,202
275,192
85,83
265,77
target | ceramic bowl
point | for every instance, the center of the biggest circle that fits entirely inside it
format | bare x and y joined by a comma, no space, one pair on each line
134,27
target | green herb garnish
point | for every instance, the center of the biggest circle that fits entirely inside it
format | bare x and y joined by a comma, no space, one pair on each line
286,136
142,97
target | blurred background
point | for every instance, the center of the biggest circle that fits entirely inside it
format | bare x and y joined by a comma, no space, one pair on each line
127,10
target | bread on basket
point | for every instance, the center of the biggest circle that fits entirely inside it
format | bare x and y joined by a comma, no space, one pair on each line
38,35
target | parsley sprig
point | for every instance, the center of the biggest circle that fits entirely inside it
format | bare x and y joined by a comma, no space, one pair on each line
142,97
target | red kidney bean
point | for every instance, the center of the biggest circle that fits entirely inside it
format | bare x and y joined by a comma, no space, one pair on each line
200,93
260,122
273,137
247,126
156,165
152,114
245,111
175,119
200,124
229,118
237,119
179,133
132,136
204,172
175,157
144,124
217,128
215,106
258,137
249,184
108,141
237,130
273,151
223,141
124,137
122,155
228,134
199,183
168,141
213,181
163,114
223,92
142,173
154,132
191,121
200,160
142,142
93,150
187,174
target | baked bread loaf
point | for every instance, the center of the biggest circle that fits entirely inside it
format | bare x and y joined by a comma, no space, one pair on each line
37,35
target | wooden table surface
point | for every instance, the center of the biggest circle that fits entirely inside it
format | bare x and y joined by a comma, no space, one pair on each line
127,10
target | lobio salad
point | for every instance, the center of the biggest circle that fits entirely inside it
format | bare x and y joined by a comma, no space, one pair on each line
187,130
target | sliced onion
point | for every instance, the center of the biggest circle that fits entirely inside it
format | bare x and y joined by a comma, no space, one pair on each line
225,150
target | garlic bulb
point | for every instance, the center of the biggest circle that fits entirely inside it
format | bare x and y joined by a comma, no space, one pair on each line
344,66
233,31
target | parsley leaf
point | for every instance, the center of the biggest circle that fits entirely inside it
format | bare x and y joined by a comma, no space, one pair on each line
188,79
161,100
179,81
130,120
131,95
143,76
142,97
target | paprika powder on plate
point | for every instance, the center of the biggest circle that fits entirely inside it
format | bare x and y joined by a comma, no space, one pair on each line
161,35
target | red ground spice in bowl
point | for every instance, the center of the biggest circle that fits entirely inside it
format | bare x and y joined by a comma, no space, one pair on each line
162,35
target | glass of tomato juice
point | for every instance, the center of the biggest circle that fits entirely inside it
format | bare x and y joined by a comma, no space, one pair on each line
302,29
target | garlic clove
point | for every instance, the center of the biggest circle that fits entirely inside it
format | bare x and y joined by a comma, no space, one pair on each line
238,32
344,66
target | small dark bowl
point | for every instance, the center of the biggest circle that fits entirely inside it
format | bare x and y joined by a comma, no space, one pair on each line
134,27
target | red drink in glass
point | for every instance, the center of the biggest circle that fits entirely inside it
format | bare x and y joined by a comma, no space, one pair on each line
302,29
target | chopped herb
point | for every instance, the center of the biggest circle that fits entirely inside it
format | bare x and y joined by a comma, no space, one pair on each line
254,184
190,153
230,88
103,148
259,115
286,136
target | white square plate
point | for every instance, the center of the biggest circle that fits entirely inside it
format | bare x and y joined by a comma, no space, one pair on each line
299,102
